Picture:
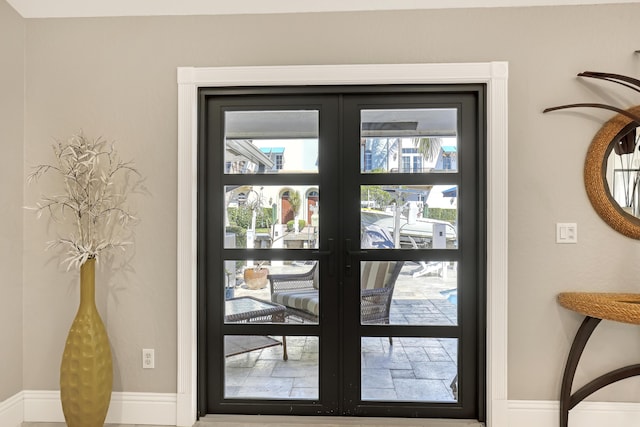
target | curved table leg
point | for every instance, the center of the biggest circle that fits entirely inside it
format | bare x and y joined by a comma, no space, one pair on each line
603,381
579,343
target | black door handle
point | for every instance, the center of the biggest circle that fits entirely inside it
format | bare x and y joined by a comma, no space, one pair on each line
348,254
331,245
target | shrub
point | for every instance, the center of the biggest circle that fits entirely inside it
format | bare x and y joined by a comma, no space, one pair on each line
264,218
450,215
301,224
241,216
241,235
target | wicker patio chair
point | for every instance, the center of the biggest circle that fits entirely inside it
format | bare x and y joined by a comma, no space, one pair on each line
299,292
377,282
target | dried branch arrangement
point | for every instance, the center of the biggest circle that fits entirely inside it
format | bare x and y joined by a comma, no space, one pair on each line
97,184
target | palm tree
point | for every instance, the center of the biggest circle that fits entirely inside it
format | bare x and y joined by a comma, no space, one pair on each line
296,201
428,146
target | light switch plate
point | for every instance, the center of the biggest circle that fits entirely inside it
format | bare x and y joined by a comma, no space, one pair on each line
566,232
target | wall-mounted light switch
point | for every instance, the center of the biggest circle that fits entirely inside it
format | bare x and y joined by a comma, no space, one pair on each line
566,232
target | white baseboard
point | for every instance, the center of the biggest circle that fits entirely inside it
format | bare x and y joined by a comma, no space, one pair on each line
161,409
12,411
125,408
143,408
539,413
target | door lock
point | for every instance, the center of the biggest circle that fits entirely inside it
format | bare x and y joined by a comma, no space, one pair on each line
348,254
331,245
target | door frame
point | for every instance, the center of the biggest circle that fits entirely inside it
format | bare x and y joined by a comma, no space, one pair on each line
493,74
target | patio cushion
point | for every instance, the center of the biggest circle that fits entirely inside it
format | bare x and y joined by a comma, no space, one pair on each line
375,275
305,300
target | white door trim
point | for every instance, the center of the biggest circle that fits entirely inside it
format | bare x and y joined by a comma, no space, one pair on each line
493,74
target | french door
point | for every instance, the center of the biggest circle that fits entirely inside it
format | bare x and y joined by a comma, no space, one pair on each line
342,251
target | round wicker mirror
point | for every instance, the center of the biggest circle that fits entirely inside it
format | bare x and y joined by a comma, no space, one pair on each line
601,172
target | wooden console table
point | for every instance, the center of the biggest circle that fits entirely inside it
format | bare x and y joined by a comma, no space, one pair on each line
595,307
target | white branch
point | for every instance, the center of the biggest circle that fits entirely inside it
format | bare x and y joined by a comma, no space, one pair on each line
97,184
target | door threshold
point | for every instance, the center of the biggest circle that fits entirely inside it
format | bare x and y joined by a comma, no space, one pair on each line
325,421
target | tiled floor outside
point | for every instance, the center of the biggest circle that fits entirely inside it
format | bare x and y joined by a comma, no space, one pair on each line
412,369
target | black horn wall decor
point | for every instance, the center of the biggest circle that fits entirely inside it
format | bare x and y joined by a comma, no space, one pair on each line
614,191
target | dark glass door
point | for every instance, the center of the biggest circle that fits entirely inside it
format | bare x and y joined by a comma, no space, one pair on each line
341,251
412,226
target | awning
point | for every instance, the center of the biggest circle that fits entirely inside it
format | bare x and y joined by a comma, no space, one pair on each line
451,192
272,150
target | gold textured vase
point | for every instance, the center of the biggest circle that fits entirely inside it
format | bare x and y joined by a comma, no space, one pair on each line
86,373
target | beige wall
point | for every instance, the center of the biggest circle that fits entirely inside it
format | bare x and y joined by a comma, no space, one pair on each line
11,188
116,77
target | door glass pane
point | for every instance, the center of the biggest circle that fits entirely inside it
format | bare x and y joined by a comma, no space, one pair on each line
272,291
419,140
409,369
417,293
271,216
271,142
409,217
257,367
426,293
